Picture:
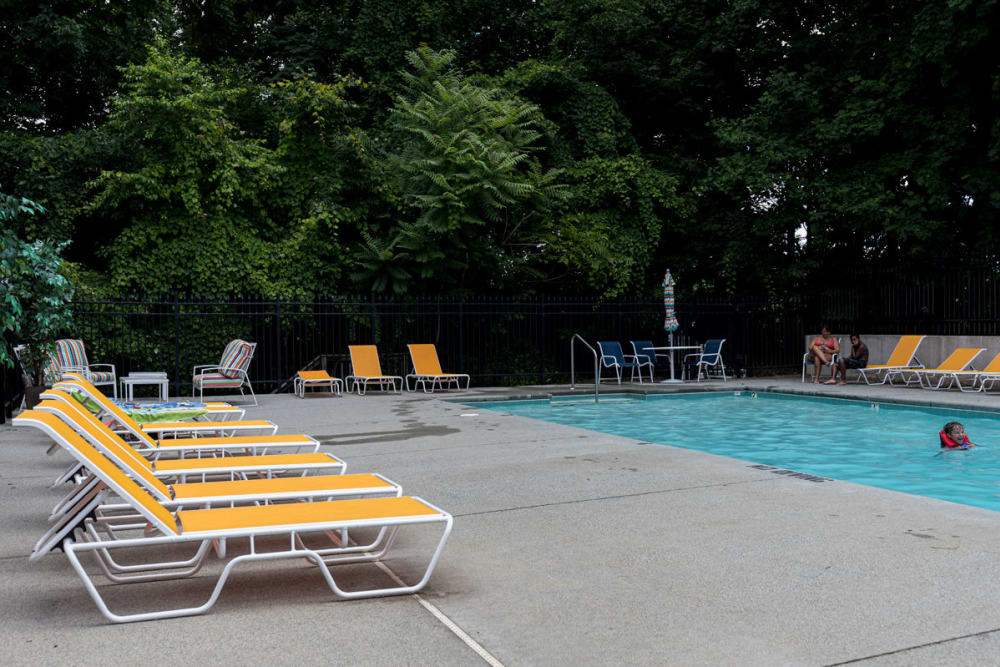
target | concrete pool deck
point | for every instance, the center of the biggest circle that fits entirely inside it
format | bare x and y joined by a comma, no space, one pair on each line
569,547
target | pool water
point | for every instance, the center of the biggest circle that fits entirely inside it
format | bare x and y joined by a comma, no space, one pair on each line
885,445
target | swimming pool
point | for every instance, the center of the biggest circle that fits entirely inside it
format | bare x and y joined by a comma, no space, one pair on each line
885,445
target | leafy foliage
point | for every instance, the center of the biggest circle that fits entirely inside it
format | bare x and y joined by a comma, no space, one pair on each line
471,146
204,207
34,294
465,162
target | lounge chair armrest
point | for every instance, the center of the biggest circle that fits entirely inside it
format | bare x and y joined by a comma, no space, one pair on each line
201,370
111,366
693,354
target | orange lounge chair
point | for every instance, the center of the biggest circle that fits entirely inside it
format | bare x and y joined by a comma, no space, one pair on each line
212,528
89,497
305,379
902,359
959,360
990,374
427,370
366,369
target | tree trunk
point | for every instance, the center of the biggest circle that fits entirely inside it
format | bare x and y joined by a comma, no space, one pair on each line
32,396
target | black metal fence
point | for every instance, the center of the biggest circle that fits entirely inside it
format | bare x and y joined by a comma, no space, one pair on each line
507,341
497,340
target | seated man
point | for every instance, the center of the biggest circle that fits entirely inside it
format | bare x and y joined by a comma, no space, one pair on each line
858,359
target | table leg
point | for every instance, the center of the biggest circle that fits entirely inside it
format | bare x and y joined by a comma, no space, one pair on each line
673,377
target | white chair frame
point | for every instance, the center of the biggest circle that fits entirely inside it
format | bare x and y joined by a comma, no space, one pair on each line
244,377
701,364
832,364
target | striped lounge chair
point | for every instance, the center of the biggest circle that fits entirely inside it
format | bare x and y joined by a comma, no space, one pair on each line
229,373
72,357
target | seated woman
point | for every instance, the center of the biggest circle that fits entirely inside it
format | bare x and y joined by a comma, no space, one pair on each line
821,351
953,436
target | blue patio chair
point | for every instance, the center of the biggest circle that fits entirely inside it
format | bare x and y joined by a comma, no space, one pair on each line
613,357
644,353
709,359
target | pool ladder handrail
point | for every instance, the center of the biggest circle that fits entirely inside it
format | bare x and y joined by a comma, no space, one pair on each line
572,366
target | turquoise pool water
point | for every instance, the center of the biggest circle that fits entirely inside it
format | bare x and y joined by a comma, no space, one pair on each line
885,445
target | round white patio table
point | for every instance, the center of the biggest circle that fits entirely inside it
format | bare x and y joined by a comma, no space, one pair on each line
670,349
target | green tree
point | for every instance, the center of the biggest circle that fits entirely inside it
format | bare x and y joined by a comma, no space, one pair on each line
207,207
874,141
34,294
59,59
466,161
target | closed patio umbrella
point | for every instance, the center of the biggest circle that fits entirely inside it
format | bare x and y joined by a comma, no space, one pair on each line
670,322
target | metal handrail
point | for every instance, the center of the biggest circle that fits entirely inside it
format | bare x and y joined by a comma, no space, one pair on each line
572,366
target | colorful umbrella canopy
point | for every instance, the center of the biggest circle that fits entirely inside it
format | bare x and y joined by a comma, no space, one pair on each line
670,322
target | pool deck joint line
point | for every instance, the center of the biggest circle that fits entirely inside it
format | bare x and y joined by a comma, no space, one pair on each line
452,626
853,661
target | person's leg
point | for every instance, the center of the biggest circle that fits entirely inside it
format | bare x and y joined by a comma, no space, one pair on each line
835,368
843,370
833,373
819,360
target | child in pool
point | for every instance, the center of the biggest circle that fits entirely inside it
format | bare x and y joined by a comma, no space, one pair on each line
953,436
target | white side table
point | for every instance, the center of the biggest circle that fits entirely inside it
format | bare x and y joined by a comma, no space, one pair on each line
157,377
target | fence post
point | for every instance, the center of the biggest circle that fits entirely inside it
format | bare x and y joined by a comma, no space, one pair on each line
542,335
461,334
371,301
279,339
177,347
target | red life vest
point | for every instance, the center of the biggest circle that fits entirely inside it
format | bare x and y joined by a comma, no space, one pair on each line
949,443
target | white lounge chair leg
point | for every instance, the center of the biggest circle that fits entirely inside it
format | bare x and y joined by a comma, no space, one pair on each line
252,395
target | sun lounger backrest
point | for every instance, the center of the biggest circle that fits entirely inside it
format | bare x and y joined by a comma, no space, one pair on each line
993,366
121,454
959,359
364,361
905,349
108,406
73,411
101,466
50,371
236,357
70,352
314,375
425,359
